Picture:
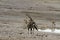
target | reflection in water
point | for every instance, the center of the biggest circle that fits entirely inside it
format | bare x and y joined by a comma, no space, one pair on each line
49,30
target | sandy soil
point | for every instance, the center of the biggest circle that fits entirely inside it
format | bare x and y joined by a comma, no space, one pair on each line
12,15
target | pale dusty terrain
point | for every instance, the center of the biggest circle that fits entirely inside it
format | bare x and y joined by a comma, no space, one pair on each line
12,15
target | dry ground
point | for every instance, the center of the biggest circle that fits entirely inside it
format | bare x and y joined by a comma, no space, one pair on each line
12,15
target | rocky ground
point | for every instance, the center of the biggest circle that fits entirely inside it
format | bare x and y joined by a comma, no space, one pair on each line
12,15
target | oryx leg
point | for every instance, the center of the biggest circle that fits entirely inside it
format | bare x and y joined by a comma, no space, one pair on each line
33,30
28,30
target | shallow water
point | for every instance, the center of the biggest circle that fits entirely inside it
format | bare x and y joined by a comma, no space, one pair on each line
50,30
